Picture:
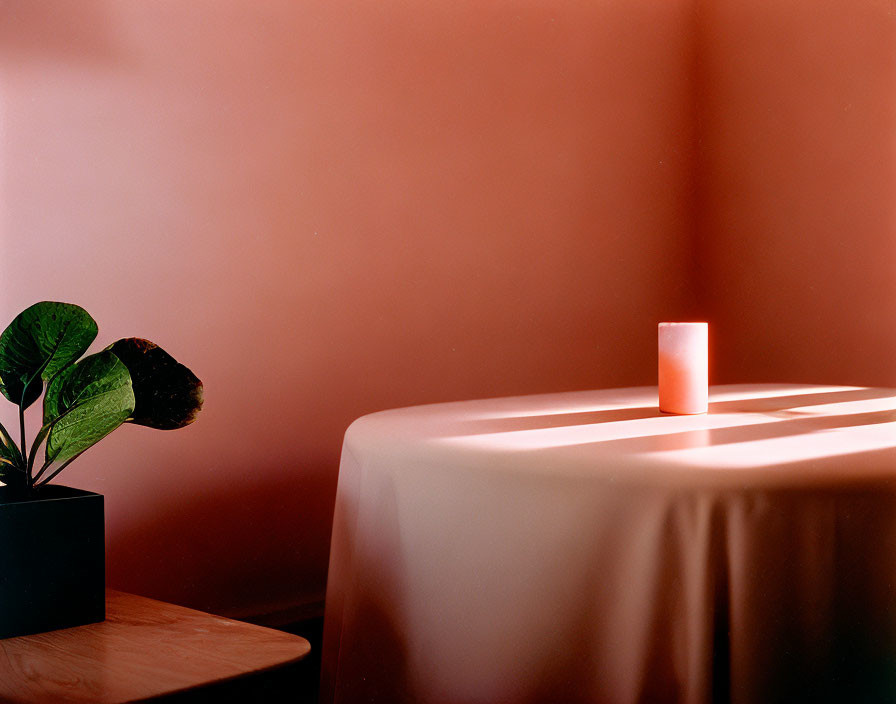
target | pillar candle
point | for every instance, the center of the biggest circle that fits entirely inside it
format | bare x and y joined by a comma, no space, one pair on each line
683,367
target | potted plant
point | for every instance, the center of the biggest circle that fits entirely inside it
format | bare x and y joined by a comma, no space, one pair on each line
52,555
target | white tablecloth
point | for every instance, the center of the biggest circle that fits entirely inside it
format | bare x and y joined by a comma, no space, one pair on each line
583,547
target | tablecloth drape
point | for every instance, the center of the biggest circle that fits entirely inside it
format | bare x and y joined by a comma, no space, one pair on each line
582,547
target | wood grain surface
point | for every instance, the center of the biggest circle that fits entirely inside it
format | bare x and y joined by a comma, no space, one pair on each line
144,648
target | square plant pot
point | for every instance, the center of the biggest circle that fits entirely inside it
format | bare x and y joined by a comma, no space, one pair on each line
52,560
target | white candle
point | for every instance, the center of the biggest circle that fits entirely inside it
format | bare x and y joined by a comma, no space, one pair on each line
683,367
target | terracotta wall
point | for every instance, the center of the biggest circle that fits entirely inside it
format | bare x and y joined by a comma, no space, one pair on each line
796,202
331,207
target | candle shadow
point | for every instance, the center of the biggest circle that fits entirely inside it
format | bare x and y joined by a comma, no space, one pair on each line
773,404
510,424
707,437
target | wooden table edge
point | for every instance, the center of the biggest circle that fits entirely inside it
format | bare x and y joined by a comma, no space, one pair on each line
40,667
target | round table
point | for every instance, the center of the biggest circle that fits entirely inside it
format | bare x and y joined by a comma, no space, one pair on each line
584,547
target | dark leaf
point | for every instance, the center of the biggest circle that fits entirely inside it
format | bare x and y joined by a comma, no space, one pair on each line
168,395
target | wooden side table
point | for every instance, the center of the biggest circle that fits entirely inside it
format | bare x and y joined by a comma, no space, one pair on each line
145,648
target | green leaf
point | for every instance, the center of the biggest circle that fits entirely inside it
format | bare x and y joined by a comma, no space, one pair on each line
8,455
39,342
168,395
96,395
10,459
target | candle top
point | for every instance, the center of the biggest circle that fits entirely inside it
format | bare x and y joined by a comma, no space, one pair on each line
673,324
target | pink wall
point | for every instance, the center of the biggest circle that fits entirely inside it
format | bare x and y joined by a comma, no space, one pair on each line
332,207
328,208
797,196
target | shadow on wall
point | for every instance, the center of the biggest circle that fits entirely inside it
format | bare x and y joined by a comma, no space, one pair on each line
64,30
238,550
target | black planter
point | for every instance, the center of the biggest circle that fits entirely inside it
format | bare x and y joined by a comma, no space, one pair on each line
52,560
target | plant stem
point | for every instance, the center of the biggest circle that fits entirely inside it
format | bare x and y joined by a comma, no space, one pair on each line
23,447
42,434
23,451
38,439
43,469
61,467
